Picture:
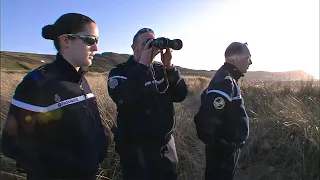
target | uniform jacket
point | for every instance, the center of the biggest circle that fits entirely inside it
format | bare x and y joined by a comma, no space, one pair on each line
60,129
222,113
143,114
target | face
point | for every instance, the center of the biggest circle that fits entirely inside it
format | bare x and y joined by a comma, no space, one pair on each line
82,46
139,44
244,61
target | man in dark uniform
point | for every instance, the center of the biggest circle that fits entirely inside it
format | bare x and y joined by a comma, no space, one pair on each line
222,122
144,92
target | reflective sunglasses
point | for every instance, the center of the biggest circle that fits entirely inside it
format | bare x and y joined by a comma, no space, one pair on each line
87,39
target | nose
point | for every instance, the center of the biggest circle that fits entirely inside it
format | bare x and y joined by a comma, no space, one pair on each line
94,47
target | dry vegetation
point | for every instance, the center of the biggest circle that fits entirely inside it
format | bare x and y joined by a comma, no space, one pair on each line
284,138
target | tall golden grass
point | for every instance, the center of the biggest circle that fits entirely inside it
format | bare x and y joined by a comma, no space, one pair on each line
284,129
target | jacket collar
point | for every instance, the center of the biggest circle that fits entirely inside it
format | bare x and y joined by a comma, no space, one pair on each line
233,71
67,70
131,60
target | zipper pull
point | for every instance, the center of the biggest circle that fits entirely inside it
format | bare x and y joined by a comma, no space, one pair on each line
85,95
83,91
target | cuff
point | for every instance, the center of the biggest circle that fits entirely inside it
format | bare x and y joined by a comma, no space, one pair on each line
173,76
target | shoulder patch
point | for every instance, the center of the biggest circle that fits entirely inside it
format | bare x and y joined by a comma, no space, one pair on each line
113,82
218,103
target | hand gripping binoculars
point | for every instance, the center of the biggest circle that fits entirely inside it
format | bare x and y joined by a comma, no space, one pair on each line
163,43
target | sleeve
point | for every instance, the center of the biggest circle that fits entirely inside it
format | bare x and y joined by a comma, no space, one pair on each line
23,112
177,85
214,101
125,90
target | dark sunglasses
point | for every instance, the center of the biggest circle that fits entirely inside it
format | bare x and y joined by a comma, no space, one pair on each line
246,44
87,39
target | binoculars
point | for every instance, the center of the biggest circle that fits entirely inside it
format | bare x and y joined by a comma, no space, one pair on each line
163,43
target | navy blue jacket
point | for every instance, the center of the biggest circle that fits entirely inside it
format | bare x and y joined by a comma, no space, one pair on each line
143,114
222,112
60,130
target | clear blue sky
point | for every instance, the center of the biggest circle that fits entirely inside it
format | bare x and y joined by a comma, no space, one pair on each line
282,35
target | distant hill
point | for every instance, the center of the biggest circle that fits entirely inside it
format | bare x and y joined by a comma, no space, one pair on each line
105,61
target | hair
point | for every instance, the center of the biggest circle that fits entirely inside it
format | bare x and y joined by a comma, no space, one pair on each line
141,31
235,48
66,24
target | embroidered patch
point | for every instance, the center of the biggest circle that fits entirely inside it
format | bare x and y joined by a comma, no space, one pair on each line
218,103
113,83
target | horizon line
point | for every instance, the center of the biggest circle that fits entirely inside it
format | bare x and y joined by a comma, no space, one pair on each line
176,65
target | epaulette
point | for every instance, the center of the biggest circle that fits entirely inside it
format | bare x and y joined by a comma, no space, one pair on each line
36,73
221,78
228,77
43,74
119,65
158,64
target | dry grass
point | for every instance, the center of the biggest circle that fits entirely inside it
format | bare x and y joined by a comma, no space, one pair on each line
284,137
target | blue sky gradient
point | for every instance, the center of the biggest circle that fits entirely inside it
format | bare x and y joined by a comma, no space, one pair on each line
282,35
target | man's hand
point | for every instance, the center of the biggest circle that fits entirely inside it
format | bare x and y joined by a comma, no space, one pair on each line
166,58
148,54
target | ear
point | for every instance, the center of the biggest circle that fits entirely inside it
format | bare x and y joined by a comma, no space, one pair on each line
232,59
65,41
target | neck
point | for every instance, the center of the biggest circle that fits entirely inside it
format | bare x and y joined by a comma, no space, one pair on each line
233,71
135,58
69,59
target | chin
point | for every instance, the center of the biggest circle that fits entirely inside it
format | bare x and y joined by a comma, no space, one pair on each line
86,63
243,71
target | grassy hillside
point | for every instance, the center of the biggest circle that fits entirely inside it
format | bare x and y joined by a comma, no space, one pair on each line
284,138
105,61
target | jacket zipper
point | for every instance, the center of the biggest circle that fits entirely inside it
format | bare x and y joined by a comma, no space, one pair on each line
87,104
85,95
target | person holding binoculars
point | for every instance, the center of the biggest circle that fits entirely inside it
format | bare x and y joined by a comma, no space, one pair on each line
144,92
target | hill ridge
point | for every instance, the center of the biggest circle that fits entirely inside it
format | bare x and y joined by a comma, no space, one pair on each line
104,61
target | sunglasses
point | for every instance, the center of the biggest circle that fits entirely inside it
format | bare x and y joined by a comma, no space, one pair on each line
87,39
250,62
